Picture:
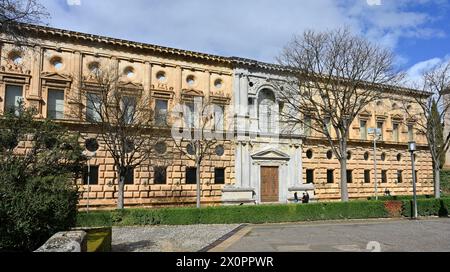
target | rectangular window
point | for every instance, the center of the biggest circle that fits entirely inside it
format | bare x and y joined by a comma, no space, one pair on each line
328,124
363,130
219,118
417,177
310,176
129,176
380,127
14,95
93,107
307,125
349,176
55,104
366,176
189,115
399,176
384,176
160,175
129,109
161,107
91,173
191,175
410,133
395,133
330,176
219,176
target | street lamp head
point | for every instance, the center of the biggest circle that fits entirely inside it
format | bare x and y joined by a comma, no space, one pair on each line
412,146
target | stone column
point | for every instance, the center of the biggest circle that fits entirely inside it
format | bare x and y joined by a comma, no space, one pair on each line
178,81
245,166
147,77
238,165
34,96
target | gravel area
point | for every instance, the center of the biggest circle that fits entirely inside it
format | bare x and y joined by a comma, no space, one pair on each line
190,238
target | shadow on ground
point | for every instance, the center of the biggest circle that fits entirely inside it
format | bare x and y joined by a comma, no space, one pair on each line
134,246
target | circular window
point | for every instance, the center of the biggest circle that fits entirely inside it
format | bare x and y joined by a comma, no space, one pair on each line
190,80
129,72
349,155
220,150
161,76
309,154
379,103
366,156
394,106
160,148
94,67
91,145
129,146
383,156
57,63
399,157
330,155
251,84
15,57
190,149
218,83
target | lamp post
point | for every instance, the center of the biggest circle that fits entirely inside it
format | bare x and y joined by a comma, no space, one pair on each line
376,132
91,146
412,148
89,155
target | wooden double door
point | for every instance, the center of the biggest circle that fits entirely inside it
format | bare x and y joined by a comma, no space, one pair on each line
269,184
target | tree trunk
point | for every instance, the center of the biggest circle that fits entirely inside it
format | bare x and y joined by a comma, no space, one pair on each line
344,189
343,163
121,192
437,182
197,165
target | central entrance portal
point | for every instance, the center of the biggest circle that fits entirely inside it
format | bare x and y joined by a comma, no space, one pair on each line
269,184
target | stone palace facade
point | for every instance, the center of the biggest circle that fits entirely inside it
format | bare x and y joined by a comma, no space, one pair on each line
253,167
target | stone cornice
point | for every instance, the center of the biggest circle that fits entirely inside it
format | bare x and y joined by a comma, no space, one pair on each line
44,30
234,61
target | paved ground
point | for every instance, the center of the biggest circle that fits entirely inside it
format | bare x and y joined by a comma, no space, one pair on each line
384,235
167,238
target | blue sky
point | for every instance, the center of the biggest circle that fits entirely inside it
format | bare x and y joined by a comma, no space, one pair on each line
417,30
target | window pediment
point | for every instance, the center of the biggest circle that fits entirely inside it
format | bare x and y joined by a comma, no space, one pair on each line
271,154
365,115
397,118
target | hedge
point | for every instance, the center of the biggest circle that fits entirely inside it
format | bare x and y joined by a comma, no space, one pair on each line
235,214
427,207
260,214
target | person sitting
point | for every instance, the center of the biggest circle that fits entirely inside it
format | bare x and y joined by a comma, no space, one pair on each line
304,198
307,198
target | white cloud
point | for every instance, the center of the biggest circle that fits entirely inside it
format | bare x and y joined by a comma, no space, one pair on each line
74,2
415,73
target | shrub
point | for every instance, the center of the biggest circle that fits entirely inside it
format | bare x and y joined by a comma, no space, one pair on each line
37,197
32,213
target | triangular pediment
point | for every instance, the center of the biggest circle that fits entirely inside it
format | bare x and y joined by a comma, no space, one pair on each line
55,76
192,92
365,113
271,154
130,85
397,117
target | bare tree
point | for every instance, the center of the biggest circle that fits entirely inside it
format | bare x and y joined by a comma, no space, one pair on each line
197,130
123,121
434,108
14,12
335,76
